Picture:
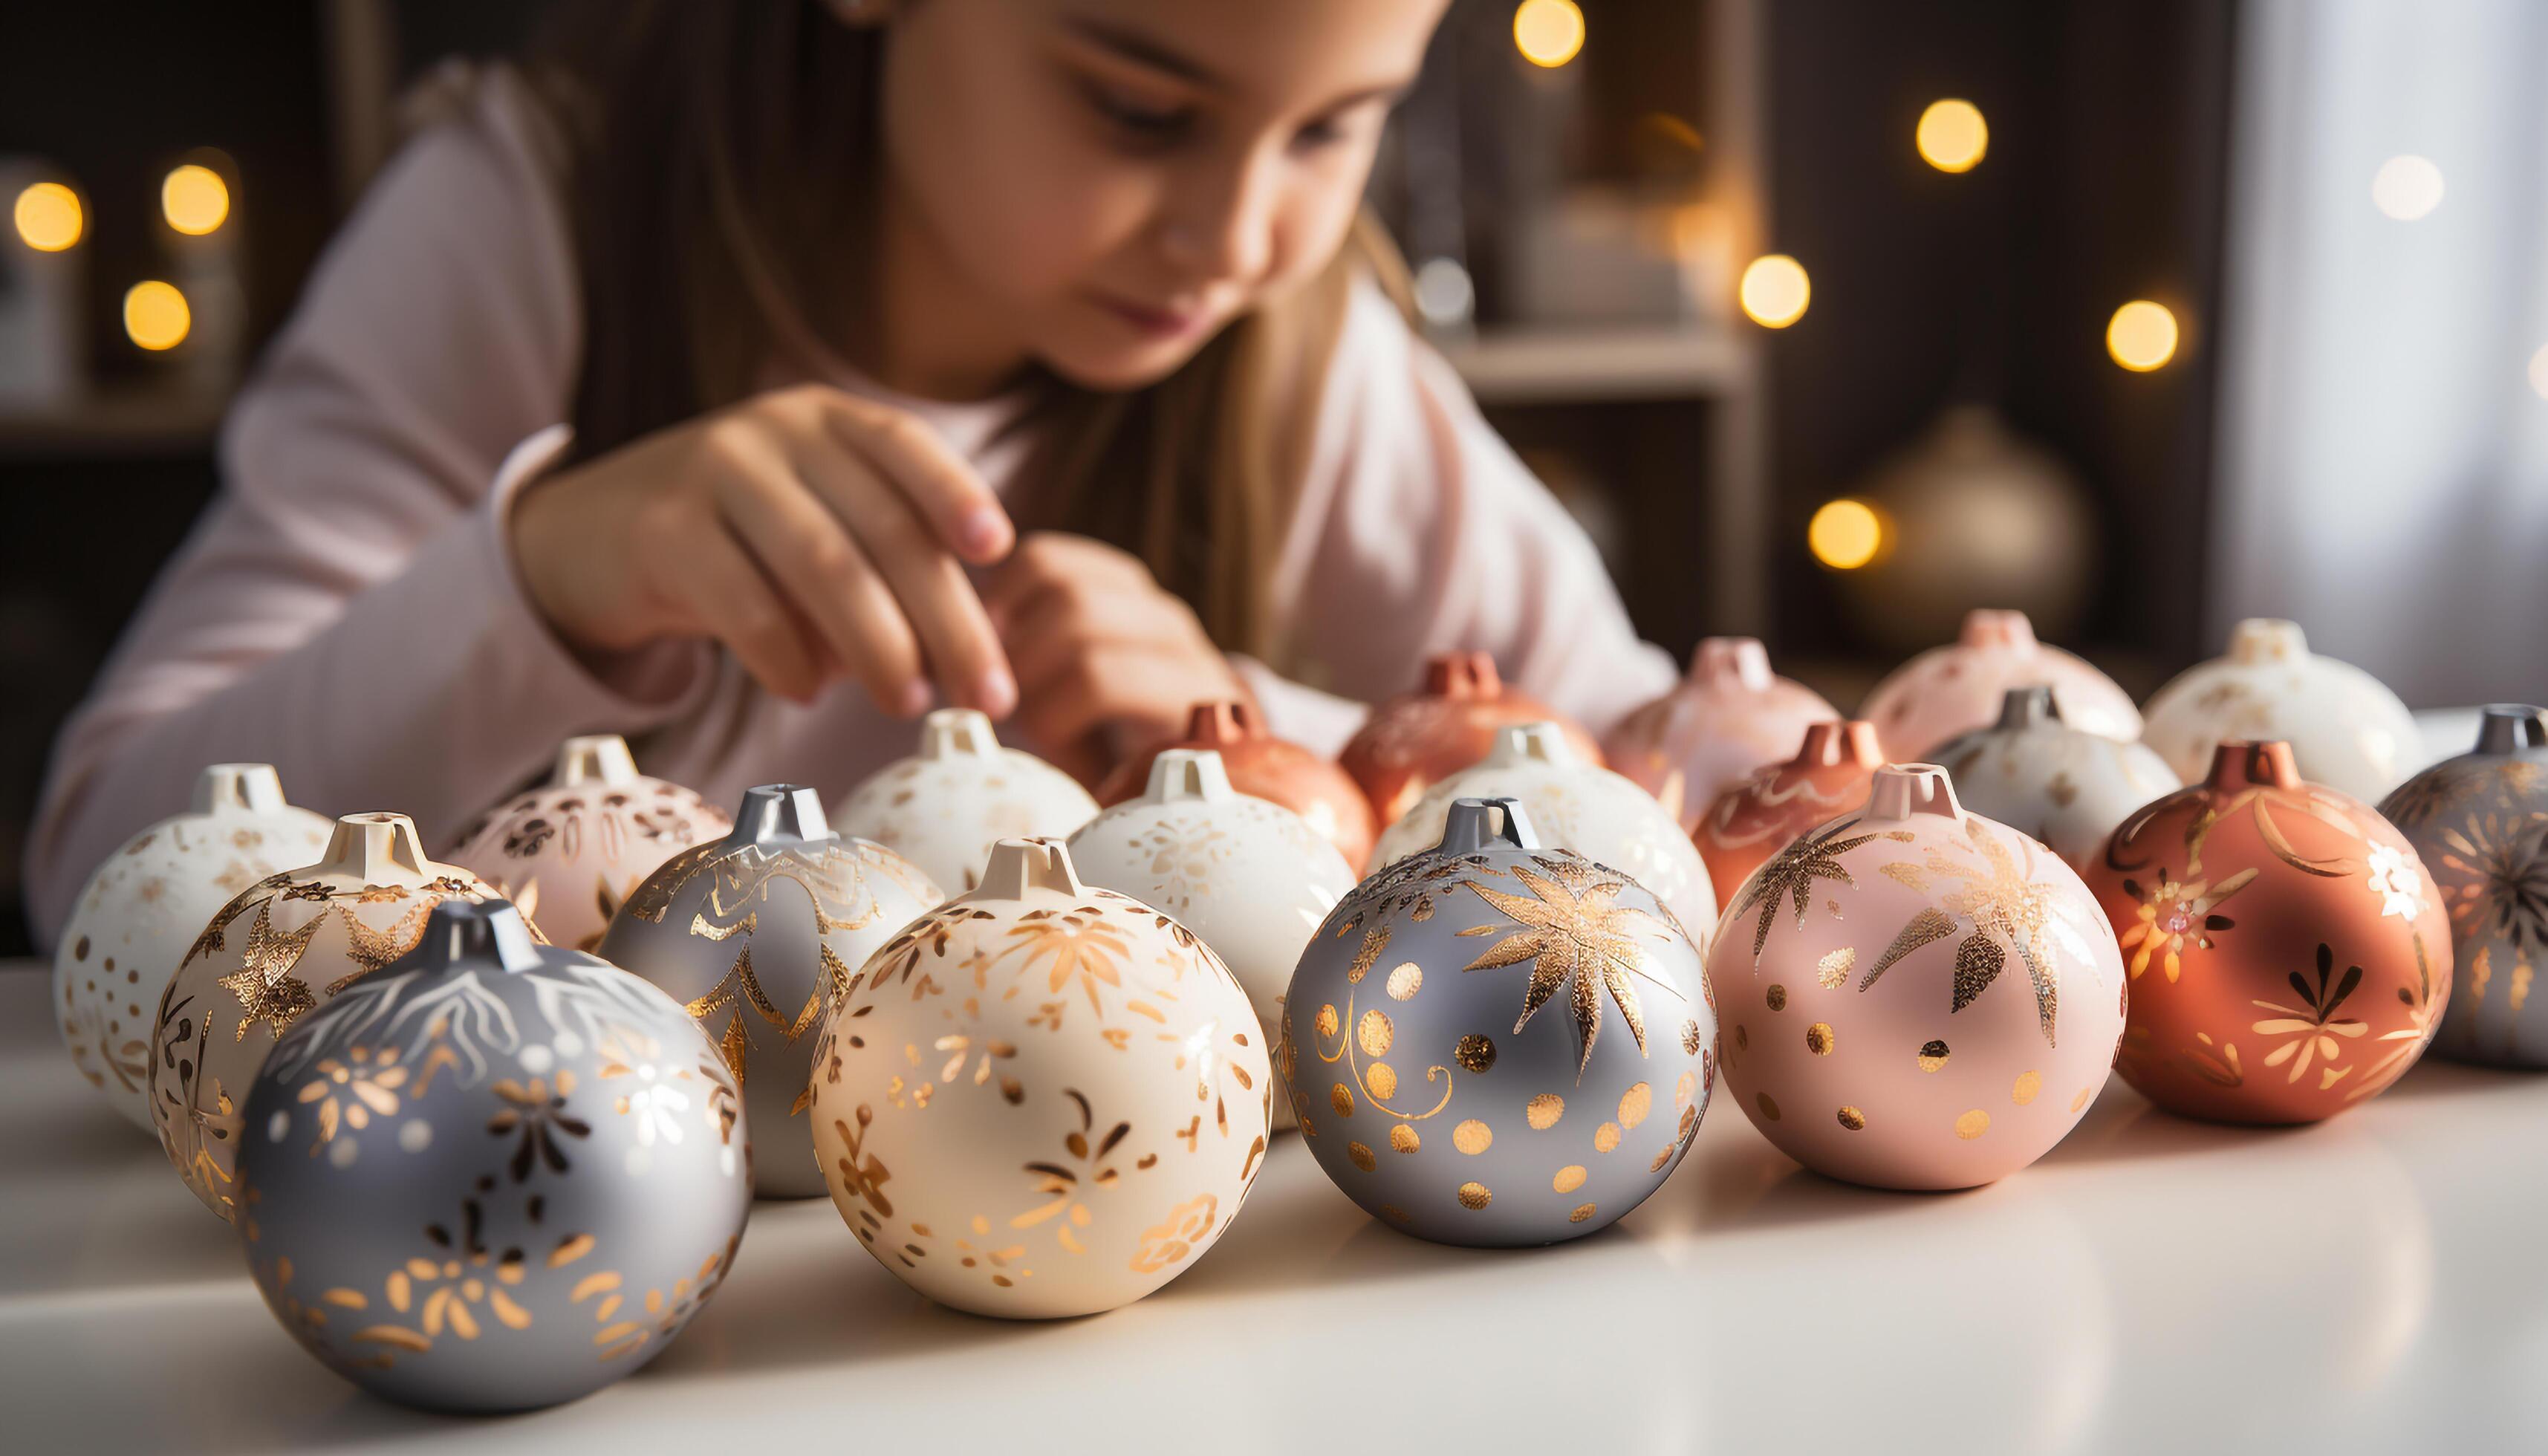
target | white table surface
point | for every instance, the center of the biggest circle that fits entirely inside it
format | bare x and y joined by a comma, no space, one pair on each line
2378,1282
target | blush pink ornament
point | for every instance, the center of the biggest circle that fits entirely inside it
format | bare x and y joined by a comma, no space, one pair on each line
1957,689
1727,719
1914,996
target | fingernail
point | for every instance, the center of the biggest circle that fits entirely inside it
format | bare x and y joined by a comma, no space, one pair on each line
984,531
915,698
998,691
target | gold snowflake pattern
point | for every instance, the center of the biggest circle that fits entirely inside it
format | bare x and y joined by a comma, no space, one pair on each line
1792,872
2003,910
2495,874
267,990
1577,936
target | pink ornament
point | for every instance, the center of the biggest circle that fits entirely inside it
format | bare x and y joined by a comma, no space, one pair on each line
1727,719
1957,689
1914,996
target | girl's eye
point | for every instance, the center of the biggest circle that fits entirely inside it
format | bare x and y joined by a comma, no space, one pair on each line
1140,121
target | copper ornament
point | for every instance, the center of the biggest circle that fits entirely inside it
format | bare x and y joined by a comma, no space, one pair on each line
1415,737
1755,819
1266,768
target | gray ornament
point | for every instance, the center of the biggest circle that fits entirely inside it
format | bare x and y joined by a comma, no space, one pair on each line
1491,1043
2480,824
495,1176
755,935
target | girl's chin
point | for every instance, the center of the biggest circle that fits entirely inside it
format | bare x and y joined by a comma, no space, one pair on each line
1115,367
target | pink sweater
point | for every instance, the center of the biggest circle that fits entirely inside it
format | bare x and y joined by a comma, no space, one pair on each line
347,608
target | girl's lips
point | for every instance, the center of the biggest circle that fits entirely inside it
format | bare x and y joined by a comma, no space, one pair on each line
1164,323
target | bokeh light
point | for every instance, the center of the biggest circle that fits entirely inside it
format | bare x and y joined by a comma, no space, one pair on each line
1775,291
155,314
2539,372
2406,188
1845,534
194,199
49,216
1952,136
2141,335
1548,32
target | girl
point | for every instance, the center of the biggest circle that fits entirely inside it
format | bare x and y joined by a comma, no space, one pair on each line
749,375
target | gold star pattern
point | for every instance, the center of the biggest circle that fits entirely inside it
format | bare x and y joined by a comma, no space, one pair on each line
1997,896
1577,936
1792,872
264,984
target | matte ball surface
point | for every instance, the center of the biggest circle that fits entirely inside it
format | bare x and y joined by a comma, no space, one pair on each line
143,907
1727,719
1412,739
2289,955
1043,1099
2039,775
754,933
1324,797
943,807
1498,1043
1753,821
495,1176
1916,996
2346,729
1957,687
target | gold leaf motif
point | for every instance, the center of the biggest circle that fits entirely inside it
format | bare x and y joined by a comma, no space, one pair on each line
1834,968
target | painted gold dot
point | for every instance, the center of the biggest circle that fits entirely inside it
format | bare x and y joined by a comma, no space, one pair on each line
1932,1055
1543,1111
1327,1022
1688,1123
1818,1038
1742,1038
1685,1089
1406,982
1690,1036
1605,1136
1777,997
1403,1138
1361,1156
1474,1053
1392,1213
2081,1100
1580,1214
1341,1097
1768,1108
1383,1081
1661,1158
1851,1119
1473,1137
1568,1178
1373,1033
1473,1196
1972,1125
1634,1104
2028,1084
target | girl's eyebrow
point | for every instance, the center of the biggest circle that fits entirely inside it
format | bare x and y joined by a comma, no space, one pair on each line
1142,50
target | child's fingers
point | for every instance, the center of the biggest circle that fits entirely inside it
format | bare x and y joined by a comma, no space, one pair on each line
830,581
947,492
730,598
1047,561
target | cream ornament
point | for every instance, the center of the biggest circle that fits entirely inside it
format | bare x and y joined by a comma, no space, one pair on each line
1248,875
279,950
1044,1097
943,807
2346,730
1572,805
2040,776
144,906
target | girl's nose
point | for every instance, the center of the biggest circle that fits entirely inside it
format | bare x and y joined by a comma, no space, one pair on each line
1221,229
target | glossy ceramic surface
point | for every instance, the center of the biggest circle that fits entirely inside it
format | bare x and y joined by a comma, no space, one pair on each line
1416,738
1916,996
143,907
495,1176
943,807
1755,819
2289,955
1958,687
1324,797
2039,775
2346,731
1729,718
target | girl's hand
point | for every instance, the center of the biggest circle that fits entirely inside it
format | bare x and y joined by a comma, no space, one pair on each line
1099,647
814,533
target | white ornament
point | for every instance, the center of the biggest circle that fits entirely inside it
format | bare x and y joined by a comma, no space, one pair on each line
2040,777
943,807
2346,730
143,907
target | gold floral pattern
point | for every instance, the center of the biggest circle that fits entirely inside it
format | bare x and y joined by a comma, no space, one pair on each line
1793,874
2171,915
2313,1031
1577,936
1177,1235
1997,896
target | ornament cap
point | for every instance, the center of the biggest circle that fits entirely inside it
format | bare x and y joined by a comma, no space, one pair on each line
1018,868
595,757
1535,743
239,788
2027,707
1831,742
1470,825
1900,790
1734,662
377,849
1213,723
2267,640
468,931
1462,674
2511,727
1996,628
947,732
780,814
1187,774
2239,763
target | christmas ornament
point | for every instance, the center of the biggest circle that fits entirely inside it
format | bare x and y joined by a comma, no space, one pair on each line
1916,996
2480,824
2289,955
2347,732
1572,805
1498,1043
1725,721
1957,689
275,952
1244,874
752,934
496,1175
145,905
1270,769
943,807
1042,1098
1755,820
2037,775
569,852
1414,739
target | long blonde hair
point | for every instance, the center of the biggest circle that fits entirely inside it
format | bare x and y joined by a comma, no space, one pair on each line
698,135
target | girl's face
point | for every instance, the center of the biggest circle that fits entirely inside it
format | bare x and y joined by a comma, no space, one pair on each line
1101,185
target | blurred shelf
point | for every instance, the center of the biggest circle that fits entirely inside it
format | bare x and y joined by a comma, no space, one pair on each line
1548,364
130,422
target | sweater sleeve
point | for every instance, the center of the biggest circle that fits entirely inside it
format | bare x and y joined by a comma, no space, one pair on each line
1418,530
346,609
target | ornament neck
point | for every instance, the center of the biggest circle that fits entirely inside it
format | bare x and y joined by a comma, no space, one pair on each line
1471,825
1831,742
2509,728
2010,631
947,732
239,788
1462,674
780,814
463,932
2027,707
377,849
2238,764
599,758
1187,774
1210,724
1535,743
1900,790
1732,663
2267,640
1018,868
